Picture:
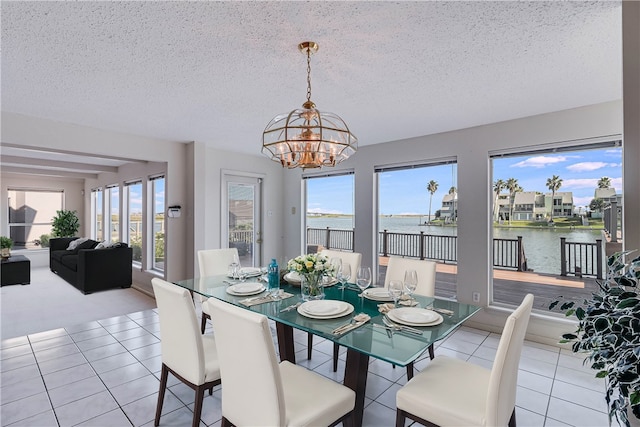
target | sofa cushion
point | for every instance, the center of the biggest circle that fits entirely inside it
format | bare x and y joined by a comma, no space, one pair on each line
70,261
57,255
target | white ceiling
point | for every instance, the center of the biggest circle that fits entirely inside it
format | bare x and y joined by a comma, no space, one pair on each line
218,72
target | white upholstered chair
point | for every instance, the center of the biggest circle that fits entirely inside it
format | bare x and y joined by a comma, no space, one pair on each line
186,353
213,262
354,259
259,391
426,272
452,392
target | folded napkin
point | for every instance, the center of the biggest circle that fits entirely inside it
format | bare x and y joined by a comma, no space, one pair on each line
408,303
265,298
358,320
384,308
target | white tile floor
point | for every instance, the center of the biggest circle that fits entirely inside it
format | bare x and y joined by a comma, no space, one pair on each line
105,373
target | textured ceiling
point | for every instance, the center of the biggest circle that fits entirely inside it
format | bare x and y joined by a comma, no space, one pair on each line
218,72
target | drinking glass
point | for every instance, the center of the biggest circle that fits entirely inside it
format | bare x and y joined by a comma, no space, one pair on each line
410,282
363,280
335,264
234,270
344,274
395,290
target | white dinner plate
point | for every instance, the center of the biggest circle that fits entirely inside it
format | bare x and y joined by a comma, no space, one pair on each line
293,278
325,309
377,294
414,316
246,288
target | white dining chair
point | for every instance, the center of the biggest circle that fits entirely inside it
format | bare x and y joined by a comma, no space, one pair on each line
354,259
259,391
453,392
186,353
213,262
426,272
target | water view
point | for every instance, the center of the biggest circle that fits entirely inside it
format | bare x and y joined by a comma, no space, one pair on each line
541,246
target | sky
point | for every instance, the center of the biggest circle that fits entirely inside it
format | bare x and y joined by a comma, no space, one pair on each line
404,192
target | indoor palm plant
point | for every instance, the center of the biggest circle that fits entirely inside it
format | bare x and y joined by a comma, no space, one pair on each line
65,224
609,334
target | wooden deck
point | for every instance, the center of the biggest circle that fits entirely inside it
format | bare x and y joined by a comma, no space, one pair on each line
510,287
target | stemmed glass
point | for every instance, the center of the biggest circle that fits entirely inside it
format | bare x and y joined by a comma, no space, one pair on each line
344,274
410,282
395,291
363,280
335,264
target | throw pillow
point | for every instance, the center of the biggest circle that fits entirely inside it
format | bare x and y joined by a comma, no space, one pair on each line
74,243
87,244
101,245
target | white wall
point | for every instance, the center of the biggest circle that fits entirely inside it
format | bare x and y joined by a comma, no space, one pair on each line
209,166
471,148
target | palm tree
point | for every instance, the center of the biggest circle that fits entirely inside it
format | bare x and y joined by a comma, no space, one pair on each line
498,186
513,187
554,183
604,182
432,187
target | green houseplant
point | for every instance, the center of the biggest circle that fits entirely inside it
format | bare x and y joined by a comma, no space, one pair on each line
609,334
6,244
65,224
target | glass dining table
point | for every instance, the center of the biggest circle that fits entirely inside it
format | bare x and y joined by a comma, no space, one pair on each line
373,339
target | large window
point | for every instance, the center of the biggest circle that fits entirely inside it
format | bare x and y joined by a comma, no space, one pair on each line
97,210
113,209
158,202
329,212
134,234
417,218
551,220
30,216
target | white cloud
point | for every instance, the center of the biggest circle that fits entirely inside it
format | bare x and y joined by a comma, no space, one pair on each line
589,166
539,161
574,184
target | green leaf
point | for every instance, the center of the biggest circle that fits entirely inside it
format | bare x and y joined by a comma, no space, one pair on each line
567,305
601,374
628,302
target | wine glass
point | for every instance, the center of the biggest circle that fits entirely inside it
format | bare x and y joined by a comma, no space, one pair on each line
395,290
335,264
410,282
344,274
363,280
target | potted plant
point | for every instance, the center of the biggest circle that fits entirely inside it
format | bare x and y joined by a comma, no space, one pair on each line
609,334
5,246
65,224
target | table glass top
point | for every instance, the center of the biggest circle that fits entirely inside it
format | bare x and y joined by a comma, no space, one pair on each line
399,348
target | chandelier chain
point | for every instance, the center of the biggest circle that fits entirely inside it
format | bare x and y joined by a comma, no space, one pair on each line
308,74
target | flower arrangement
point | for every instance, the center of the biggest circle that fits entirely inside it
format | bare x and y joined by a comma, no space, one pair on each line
315,264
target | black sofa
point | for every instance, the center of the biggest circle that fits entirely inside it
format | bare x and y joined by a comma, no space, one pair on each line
90,269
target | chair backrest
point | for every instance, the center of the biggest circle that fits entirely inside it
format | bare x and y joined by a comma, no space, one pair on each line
252,393
213,262
180,338
425,270
501,396
352,258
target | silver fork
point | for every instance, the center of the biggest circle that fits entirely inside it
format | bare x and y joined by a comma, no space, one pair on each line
397,327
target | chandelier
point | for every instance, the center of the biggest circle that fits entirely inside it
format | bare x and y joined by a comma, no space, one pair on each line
306,137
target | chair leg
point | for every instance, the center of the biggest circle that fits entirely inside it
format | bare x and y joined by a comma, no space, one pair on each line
203,323
197,409
410,371
400,418
512,420
309,345
336,350
163,386
431,352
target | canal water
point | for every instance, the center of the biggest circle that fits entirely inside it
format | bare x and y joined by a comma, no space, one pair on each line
541,245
